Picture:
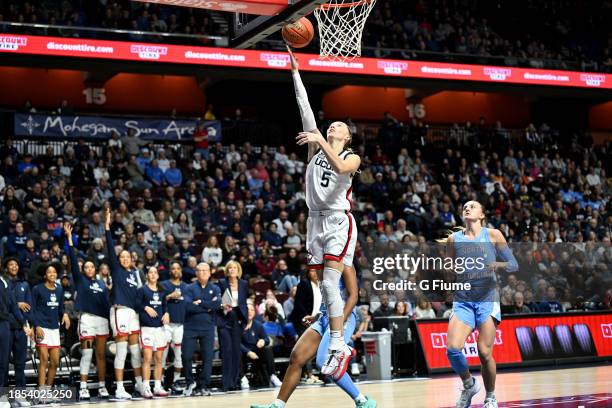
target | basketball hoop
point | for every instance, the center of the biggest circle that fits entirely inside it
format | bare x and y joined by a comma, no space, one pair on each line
341,25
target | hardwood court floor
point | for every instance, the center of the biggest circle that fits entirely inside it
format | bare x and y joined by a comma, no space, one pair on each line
512,388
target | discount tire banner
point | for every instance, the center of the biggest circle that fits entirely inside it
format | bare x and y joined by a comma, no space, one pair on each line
526,338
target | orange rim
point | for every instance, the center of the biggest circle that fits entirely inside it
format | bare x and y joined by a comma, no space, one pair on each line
328,6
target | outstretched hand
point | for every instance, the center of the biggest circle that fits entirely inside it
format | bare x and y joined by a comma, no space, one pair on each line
68,232
308,137
107,218
294,61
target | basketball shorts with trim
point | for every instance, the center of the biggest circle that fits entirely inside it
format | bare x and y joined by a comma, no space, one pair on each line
331,235
174,333
51,338
153,338
92,326
124,321
475,314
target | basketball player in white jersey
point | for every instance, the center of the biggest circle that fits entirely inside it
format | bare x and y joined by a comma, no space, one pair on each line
330,225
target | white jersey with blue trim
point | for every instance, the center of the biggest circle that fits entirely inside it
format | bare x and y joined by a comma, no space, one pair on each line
326,189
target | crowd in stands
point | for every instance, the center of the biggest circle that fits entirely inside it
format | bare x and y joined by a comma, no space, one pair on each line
112,14
226,203
569,35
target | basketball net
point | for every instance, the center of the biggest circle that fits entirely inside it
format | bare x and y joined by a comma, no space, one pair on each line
341,25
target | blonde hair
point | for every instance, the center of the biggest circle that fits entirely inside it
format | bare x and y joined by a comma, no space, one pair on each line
233,263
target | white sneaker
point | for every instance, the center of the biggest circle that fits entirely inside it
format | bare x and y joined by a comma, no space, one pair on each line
337,362
22,402
160,392
146,393
275,381
103,392
122,394
465,400
490,403
244,383
189,389
84,394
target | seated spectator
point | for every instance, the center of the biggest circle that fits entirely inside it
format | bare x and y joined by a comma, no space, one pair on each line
551,304
289,304
182,228
212,254
424,310
384,310
173,176
519,304
154,174
268,301
256,349
402,309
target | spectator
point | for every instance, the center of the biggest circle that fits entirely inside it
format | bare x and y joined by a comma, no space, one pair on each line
173,175
385,309
519,304
182,228
424,310
256,348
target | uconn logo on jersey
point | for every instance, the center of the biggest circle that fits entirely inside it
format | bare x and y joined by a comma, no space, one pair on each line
155,301
52,300
321,160
95,287
131,279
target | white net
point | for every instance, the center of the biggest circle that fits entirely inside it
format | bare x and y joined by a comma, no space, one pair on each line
341,25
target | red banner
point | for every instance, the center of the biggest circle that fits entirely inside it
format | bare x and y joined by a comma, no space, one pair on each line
520,339
181,54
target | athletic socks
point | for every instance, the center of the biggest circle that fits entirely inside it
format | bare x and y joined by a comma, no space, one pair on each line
360,399
177,376
279,403
157,385
102,384
120,385
83,384
469,382
336,340
490,395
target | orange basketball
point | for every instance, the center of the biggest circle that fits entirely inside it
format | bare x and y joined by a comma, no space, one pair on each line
298,34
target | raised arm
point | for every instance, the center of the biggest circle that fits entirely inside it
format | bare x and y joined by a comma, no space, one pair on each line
110,246
74,262
309,123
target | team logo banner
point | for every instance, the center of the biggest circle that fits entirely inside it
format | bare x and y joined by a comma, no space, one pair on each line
100,127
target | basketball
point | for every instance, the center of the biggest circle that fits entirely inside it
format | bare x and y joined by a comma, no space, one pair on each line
298,34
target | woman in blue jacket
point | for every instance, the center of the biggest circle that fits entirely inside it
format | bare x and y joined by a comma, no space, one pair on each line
231,322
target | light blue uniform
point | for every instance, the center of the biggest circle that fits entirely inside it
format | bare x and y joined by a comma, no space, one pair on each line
473,307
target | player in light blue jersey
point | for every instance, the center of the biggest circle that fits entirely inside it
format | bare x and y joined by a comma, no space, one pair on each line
314,342
475,250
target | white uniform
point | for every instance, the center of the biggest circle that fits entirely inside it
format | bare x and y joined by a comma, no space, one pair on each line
124,321
332,231
153,338
92,326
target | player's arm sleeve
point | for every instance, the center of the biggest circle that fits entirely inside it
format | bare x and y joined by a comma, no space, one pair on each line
308,120
506,254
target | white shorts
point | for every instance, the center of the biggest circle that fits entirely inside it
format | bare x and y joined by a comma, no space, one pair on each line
51,339
124,321
174,333
92,326
153,338
331,235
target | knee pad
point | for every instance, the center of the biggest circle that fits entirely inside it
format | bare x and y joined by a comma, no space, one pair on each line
86,355
330,289
457,360
178,353
121,354
135,357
